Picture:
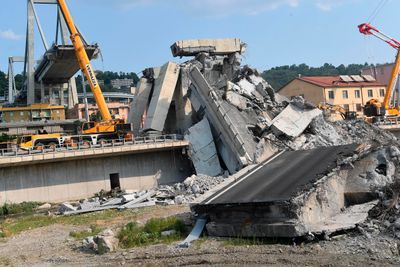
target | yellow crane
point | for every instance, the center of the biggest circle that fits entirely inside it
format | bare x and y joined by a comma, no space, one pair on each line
107,124
373,107
93,132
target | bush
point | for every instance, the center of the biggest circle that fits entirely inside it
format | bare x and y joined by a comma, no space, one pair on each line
133,235
94,230
24,207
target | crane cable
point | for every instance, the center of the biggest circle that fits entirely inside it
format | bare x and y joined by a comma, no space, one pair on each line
374,14
377,10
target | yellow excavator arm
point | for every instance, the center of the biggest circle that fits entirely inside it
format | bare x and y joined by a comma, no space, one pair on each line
84,62
392,82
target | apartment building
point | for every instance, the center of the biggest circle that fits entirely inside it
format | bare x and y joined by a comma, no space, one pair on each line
350,92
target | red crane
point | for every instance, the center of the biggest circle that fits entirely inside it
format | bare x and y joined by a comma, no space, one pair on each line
373,107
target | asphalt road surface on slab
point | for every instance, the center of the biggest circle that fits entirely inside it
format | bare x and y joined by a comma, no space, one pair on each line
283,176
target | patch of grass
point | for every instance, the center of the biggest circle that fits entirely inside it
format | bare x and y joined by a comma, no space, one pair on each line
133,235
12,226
5,261
24,207
94,230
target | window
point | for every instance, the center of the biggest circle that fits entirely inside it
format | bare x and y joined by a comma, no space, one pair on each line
331,94
370,93
382,92
357,94
346,107
21,113
11,114
345,94
358,107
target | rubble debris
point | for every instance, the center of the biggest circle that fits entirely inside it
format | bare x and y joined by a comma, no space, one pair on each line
106,242
210,46
102,243
202,149
292,121
147,196
45,206
191,188
65,207
179,193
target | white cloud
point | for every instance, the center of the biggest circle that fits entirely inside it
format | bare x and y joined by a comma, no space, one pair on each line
328,5
10,35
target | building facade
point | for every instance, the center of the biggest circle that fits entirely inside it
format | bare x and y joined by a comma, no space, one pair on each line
122,83
350,94
34,112
117,110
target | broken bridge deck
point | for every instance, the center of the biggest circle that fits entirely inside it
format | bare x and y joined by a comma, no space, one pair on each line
260,202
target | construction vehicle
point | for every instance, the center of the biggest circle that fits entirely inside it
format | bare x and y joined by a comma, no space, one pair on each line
95,131
387,109
345,114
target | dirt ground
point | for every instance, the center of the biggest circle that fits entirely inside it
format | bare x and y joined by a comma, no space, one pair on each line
52,246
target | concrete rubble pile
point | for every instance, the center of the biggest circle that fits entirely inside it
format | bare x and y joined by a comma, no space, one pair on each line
121,201
179,193
229,113
232,118
187,191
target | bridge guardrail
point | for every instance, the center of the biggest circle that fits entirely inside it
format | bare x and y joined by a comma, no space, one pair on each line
84,145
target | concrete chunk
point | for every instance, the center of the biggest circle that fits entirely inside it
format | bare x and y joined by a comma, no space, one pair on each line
237,100
139,104
202,149
211,46
164,88
292,121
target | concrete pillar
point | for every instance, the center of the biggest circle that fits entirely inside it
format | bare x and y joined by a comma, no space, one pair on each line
30,57
62,94
41,92
164,88
72,93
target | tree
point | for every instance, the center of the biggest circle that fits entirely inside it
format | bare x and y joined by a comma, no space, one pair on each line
280,76
3,83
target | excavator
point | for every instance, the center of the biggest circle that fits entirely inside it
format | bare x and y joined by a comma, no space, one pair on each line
374,108
346,115
92,132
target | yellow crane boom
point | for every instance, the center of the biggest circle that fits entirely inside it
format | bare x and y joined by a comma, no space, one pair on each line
84,62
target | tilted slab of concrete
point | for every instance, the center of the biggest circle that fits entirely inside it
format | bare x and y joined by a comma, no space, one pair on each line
164,88
59,63
139,105
290,195
202,149
229,137
211,46
292,121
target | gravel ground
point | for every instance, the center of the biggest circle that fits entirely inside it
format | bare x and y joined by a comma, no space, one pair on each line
52,246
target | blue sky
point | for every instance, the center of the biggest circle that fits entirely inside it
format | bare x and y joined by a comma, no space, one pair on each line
136,34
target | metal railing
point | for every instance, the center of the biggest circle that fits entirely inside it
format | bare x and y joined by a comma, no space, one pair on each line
85,145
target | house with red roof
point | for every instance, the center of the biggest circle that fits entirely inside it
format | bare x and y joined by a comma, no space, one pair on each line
350,92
